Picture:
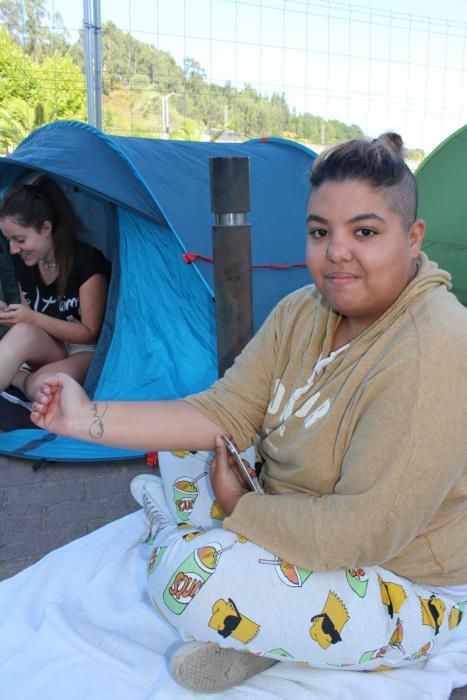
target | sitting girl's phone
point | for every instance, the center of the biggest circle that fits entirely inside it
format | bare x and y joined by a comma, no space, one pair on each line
252,482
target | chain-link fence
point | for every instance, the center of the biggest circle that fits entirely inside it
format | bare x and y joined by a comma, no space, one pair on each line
315,71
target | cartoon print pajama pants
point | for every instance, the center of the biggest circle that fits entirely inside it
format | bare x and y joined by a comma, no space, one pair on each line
214,585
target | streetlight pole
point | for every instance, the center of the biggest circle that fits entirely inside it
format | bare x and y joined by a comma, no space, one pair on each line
165,113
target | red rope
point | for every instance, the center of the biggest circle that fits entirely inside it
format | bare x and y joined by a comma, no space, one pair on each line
192,257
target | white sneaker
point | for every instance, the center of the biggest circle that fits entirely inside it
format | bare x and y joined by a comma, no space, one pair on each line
148,491
206,667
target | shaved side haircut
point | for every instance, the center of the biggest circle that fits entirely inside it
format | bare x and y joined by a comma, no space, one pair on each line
380,163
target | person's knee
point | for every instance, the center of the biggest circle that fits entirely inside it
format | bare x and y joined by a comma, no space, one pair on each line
34,381
22,335
173,590
77,365
31,385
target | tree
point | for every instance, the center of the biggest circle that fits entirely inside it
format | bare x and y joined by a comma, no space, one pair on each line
18,118
193,71
189,130
11,17
417,154
124,57
33,94
32,27
61,87
16,71
280,113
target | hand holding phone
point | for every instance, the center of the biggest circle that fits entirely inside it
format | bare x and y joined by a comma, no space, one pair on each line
251,481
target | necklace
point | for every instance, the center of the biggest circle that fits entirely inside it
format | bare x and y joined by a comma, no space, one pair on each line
47,265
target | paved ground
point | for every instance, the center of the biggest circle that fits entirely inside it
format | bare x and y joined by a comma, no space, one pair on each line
42,510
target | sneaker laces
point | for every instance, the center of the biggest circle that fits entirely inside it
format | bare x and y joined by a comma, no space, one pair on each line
156,519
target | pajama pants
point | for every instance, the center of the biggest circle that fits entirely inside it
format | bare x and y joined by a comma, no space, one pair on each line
217,586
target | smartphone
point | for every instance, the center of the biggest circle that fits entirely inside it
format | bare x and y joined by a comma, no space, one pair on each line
251,481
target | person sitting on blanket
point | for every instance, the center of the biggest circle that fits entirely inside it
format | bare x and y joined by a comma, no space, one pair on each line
355,390
61,280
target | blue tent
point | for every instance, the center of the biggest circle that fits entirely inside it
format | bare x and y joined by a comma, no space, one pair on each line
145,203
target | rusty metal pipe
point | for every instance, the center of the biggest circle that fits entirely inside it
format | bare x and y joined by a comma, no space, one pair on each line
231,242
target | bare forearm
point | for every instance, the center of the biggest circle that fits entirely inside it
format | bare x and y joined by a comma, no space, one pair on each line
145,425
65,331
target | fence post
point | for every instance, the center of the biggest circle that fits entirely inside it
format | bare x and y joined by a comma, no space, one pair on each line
230,202
93,60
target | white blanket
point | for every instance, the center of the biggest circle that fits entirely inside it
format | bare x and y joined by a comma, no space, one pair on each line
78,625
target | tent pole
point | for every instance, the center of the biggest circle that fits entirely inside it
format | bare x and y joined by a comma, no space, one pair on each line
230,202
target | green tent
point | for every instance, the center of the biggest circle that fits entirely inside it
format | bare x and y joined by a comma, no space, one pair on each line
442,183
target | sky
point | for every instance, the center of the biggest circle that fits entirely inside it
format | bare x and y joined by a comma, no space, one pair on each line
395,65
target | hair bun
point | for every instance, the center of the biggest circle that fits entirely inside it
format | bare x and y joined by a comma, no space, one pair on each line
394,140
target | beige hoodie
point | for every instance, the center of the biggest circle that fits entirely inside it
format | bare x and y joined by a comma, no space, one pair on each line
365,460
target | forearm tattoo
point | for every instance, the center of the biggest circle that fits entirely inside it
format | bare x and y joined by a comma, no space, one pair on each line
96,429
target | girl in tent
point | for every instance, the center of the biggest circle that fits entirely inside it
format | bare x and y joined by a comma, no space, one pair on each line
355,391
63,285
